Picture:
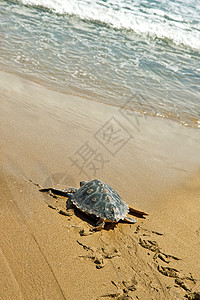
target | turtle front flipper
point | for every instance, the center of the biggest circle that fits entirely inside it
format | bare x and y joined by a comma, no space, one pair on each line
99,224
130,220
54,191
60,192
136,212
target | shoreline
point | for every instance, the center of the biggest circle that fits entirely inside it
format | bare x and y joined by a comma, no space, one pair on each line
153,163
57,88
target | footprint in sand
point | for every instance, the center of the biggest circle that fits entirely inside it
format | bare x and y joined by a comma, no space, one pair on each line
153,246
193,296
124,289
185,282
99,255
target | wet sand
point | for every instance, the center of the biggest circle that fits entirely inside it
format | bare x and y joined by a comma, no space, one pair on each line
47,252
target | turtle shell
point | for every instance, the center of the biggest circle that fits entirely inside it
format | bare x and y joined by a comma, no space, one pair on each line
98,198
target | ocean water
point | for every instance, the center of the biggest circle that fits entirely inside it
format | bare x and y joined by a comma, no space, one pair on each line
146,52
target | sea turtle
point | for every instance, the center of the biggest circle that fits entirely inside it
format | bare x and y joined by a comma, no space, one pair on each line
99,199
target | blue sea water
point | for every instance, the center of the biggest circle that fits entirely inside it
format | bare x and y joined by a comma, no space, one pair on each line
110,51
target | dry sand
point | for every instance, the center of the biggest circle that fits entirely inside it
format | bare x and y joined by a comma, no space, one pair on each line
54,139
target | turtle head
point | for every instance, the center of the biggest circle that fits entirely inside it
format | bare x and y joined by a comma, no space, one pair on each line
83,182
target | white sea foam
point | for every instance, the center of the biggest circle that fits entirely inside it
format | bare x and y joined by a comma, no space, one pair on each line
171,21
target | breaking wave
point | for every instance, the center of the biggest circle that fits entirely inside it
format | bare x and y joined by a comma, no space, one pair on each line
176,22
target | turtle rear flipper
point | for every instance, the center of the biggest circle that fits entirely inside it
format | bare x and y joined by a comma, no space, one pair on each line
130,220
136,212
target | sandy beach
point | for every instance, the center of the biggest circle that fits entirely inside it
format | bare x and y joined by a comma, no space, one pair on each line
47,252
